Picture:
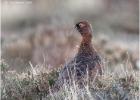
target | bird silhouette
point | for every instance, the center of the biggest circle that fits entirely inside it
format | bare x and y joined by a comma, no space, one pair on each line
86,62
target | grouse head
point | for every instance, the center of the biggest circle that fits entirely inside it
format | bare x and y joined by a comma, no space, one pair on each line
84,28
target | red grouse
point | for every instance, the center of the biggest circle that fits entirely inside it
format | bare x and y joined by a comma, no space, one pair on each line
86,60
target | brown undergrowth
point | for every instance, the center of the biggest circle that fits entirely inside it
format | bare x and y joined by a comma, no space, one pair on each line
35,84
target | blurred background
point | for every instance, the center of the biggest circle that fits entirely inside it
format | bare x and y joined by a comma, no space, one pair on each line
41,31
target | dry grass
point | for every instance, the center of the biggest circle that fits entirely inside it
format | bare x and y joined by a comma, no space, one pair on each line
119,84
53,41
46,45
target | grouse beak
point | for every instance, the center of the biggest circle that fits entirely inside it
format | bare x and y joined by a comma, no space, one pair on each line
77,26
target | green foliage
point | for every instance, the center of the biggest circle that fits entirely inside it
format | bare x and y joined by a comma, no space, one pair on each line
3,66
52,77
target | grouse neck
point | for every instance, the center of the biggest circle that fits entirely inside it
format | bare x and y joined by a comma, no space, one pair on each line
86,44
86,39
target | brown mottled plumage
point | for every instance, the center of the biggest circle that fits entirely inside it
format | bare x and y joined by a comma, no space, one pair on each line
86,60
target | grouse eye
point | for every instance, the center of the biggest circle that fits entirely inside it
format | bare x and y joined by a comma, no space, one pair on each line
81,25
